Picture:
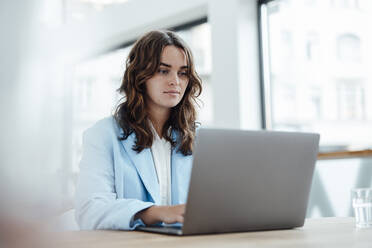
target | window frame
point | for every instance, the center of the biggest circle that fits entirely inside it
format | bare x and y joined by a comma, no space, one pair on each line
264,66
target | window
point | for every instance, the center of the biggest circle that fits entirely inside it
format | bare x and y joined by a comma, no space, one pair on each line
349,48
311,89
312,47
324,86
94,93
351,104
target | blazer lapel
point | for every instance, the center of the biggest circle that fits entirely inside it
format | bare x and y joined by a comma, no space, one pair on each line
145,167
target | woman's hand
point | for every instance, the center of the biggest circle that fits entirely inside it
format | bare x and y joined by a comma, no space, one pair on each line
166,214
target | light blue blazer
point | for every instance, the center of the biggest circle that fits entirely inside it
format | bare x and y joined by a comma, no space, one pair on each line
116,182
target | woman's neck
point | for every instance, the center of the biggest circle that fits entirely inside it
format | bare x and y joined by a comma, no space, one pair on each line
158,118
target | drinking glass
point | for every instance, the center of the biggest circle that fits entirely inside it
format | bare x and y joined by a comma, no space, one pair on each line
362,204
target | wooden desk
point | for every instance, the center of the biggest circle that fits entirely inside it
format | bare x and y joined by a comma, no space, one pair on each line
345,154
324,232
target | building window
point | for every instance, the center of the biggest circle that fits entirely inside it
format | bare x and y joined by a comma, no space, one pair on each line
351,103
349,48
312,47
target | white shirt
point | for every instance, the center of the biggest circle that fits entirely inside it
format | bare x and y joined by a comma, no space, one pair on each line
161,154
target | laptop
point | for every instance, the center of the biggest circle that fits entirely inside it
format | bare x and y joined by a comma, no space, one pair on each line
247,181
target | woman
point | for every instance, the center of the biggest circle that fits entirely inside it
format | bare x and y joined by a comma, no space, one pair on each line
136,164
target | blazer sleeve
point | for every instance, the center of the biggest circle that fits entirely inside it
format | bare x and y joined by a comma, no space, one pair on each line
96,202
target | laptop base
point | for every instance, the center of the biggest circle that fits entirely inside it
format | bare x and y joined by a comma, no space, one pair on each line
172,230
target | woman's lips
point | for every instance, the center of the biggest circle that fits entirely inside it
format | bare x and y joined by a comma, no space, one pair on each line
172,92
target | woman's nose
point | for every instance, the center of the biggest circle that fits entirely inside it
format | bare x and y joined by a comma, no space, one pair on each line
174,80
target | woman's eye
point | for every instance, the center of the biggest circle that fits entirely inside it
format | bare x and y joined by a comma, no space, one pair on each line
162,71
183,74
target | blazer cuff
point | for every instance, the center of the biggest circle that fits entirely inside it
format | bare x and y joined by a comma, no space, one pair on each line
138,222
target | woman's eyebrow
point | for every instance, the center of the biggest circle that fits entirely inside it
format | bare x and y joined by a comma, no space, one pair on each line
166,65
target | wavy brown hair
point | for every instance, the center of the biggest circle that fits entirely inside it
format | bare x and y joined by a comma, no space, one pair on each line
142,63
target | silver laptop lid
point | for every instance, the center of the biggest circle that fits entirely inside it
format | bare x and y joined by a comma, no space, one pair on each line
249,180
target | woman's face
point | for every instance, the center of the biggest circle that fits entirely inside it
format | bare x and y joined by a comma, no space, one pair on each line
166,87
